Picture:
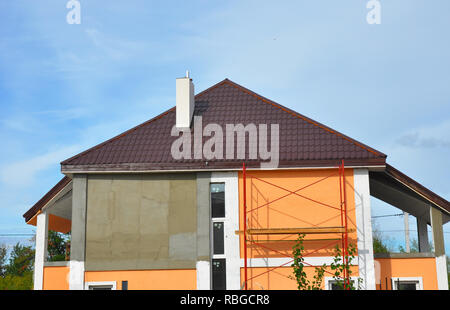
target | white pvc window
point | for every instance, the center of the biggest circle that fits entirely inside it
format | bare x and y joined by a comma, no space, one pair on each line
407,283
331,284
101,286
218,219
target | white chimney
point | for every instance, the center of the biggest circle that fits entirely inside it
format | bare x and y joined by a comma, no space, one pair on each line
185,101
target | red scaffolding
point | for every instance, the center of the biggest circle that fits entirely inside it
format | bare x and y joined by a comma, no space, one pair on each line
342,230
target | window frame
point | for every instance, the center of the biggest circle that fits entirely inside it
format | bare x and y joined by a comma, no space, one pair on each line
224,272
417,280
223,221
88,285
218,218
329,280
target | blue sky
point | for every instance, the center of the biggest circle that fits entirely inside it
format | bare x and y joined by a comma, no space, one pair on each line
64,88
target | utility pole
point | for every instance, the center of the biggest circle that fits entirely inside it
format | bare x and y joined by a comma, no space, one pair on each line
406,221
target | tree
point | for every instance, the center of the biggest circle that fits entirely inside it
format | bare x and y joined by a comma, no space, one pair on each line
3,252
58,244
12,282
380,242
21,260
414,248
18,273
379,246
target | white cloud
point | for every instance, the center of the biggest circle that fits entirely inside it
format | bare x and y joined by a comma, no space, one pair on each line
22,173
435,135
64,114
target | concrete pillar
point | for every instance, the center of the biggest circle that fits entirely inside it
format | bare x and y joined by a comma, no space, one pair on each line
78,236
41,249
203,264
406,222
364,229
439,249
422,235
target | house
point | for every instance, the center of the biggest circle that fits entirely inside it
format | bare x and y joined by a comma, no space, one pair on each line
178,203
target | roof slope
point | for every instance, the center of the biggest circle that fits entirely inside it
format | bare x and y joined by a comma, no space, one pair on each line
303,142
46,198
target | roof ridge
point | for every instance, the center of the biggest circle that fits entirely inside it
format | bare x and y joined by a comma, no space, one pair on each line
212,87
250,92
307,119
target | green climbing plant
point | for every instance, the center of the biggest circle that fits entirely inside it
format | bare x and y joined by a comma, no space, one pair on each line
339,268
298,268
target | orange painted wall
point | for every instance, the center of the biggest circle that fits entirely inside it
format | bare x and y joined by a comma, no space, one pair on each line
407,267
56,278
293,211
280,278
181,279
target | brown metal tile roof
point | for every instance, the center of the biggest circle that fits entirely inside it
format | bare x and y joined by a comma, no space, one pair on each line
303,142
46,198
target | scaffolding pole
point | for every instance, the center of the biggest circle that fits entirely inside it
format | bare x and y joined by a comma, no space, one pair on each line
245,225
343,230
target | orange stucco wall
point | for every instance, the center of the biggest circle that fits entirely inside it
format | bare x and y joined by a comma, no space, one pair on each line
293,211
56,278
180,279
406,267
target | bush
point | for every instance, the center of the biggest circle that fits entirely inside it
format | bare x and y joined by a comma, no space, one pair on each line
15,282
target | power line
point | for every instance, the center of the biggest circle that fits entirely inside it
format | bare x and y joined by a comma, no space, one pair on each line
388,215
402,230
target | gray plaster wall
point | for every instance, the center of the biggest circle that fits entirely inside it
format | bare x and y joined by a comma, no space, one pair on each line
141,221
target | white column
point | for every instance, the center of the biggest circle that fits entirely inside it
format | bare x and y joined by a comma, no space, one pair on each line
439,249
41,250
364,229
422,235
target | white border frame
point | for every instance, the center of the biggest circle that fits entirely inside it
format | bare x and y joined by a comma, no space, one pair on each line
101,283
231,224
419,280
366,261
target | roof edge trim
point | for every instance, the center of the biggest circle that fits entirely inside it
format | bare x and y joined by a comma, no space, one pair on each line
418,188
55,190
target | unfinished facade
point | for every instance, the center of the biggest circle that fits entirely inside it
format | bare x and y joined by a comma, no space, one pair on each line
141,219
